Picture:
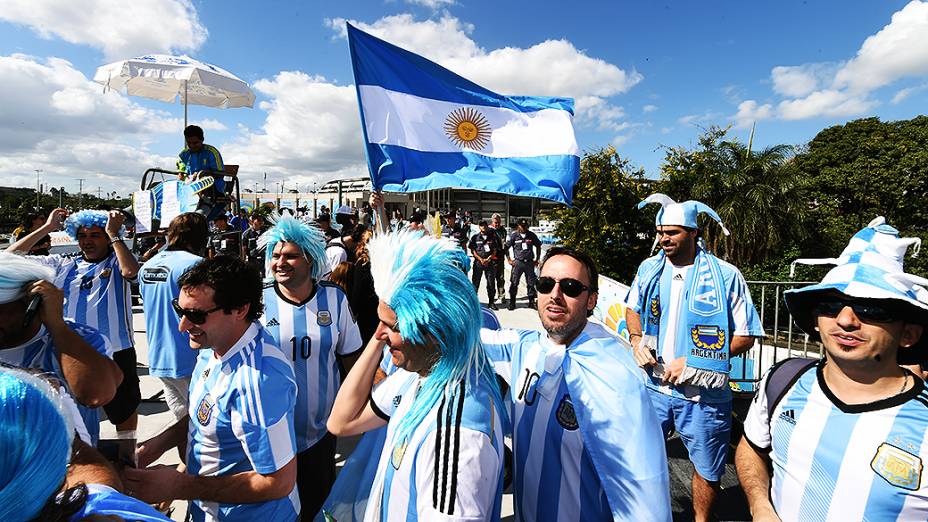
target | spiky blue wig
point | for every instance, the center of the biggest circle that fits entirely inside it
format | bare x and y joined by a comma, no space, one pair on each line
308,237
87,218
424,281
36,433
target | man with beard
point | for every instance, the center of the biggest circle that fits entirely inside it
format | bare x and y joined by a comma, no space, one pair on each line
688,313
586,442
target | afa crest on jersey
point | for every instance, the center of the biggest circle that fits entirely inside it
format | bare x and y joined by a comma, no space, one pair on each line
655,308
399,451
897,466
205,409
708,337
565,414
324,318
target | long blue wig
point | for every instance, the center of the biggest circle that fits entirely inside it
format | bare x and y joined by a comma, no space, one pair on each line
87,218
36,436
16,271
424,281
309,238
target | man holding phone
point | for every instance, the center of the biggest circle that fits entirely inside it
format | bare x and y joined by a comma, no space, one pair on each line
76,354
97,293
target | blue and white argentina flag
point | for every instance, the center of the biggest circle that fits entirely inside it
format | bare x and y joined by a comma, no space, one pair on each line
426,127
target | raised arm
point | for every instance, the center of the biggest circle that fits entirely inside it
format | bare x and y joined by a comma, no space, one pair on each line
128,265
352,413
52,224
92,377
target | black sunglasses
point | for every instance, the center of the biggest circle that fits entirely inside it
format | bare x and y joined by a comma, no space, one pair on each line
195,316
571,287
869,312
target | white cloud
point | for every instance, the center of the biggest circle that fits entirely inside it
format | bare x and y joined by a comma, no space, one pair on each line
828,103
903,94
549,68
432,4
119,29
749,112
896,51
706,117
648,108
312,127
843,89
620,140
55,119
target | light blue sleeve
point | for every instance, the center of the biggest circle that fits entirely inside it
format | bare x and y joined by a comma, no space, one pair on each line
267,396
633,298
501,348
744,316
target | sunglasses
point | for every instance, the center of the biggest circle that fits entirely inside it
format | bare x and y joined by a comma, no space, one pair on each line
571,287
195,316
869,312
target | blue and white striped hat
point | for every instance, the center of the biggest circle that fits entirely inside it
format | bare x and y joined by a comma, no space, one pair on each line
680,214
870,267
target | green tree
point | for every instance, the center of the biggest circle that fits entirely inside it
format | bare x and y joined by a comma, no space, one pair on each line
603,220
863,169
756,193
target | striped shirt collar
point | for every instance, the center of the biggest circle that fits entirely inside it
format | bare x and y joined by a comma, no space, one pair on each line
243,341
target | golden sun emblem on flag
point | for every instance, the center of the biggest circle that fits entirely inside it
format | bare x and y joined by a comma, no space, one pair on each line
467,128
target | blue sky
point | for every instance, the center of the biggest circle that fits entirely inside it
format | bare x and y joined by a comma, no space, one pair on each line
644,74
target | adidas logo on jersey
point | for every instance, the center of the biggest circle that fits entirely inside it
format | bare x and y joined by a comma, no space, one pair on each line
273,322
789,416
678,277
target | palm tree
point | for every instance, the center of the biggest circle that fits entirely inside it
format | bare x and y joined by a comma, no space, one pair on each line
759,198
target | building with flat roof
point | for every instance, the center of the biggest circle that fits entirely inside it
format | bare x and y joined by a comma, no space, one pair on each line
357,191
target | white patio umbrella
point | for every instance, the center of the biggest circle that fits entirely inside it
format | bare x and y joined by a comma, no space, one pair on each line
169,78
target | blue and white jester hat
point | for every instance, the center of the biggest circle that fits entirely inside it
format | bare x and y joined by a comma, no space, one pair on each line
680,214
16,272
424,281
87,218
308,237
870,267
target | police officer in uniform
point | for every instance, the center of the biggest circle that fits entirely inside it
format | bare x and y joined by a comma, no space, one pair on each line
451,229
496,225
252,253
224,240
486,248
526,250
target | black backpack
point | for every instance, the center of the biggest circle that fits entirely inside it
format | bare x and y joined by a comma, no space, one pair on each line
782,377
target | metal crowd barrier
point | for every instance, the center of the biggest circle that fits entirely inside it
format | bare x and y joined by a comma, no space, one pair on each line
782,339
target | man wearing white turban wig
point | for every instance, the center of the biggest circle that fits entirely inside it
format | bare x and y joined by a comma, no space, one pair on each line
76,354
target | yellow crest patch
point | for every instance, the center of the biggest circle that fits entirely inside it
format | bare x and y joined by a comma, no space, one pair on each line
708,337
205,409
897,466
656,307
106,272
399,451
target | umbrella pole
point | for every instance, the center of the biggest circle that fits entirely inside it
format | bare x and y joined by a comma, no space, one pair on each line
185,107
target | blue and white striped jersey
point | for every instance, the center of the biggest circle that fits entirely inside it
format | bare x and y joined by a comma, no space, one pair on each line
40,352
555,476
834,462
241,419
95,294
742,317
169,352
312,334
449,468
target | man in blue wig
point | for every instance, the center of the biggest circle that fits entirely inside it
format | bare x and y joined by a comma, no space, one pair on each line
443,455
586,442
688,314
311,321
97,292
50,475
75,354
846,437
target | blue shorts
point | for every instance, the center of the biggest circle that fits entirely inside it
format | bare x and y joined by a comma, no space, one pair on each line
704,428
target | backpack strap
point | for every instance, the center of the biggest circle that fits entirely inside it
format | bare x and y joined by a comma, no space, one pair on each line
782,377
